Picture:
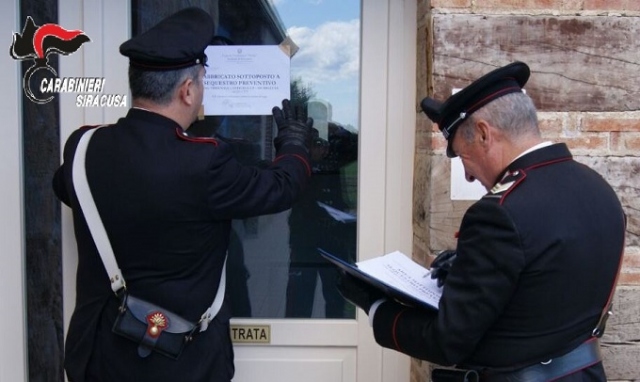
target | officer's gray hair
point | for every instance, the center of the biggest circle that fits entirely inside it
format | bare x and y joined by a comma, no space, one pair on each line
515,114
159,86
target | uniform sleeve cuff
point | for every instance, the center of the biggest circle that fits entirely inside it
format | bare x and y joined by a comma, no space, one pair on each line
372,310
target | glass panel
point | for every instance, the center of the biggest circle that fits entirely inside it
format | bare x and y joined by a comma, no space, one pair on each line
274,270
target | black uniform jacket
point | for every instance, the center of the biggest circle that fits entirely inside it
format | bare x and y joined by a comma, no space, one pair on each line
537,258
166,201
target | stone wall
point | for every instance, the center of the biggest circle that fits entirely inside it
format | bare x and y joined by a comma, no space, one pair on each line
585,62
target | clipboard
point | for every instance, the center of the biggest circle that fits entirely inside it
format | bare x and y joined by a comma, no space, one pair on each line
389,290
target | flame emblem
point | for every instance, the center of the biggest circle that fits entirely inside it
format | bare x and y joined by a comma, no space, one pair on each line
157,322
37,43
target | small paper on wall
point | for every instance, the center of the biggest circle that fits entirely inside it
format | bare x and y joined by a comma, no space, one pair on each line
461,189
246,79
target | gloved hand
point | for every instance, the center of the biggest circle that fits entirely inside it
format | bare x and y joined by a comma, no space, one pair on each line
357,292
442,264
290,129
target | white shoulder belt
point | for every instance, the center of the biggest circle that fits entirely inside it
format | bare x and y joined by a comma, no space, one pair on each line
101,240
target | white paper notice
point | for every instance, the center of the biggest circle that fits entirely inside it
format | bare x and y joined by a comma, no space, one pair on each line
246,79
398,270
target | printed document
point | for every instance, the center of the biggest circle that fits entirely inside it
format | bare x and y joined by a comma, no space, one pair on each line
399,271
246,79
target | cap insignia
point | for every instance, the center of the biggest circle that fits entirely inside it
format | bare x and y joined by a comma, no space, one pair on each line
445,132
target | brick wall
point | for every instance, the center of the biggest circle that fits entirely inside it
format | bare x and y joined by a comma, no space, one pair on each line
585,61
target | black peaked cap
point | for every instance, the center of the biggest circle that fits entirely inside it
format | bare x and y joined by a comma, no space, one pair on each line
452,112
176,42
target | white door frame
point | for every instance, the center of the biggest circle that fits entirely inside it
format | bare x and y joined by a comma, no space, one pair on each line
97,58
388,120
387,136
13,336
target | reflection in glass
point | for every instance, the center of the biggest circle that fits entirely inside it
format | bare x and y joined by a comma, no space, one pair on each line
312,226
273,269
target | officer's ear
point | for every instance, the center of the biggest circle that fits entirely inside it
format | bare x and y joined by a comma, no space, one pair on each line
481,131
187,91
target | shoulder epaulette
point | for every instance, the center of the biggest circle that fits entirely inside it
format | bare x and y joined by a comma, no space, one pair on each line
509,182
184,136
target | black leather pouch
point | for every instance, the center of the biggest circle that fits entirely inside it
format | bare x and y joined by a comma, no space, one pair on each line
453,375
152,327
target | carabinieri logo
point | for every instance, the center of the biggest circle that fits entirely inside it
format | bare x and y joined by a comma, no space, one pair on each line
37,43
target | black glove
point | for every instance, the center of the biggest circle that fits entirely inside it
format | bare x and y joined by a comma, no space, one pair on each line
442,264
357,292
290,129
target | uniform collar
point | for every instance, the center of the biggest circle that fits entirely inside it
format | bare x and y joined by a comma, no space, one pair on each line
540,156
150,117
534,148
537,156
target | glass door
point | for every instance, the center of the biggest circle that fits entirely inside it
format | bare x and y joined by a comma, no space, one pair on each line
274,269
